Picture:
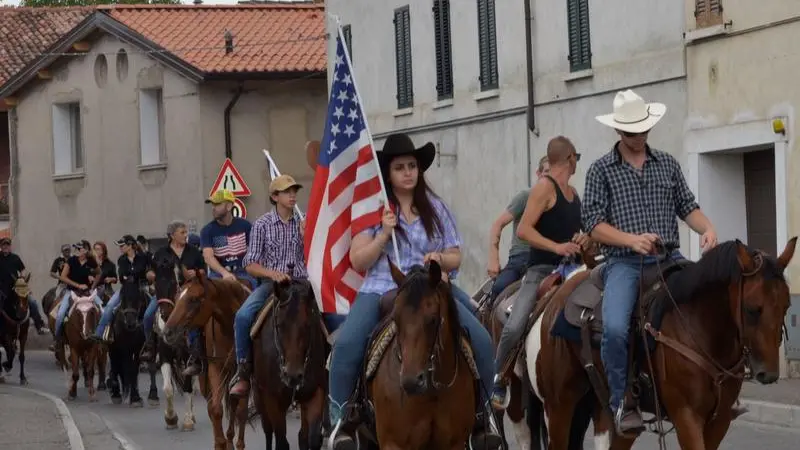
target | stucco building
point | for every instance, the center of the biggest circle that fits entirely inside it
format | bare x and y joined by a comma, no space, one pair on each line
742,152
490,83
123,123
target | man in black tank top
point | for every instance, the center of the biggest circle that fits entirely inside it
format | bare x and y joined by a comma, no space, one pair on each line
551,224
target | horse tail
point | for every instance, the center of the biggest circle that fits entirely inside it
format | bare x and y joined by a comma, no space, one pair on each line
536,423
581,418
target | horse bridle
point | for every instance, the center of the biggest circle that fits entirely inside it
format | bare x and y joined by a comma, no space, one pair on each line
279,348
433,353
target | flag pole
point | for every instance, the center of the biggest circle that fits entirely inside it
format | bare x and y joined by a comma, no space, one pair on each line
340,33
273,167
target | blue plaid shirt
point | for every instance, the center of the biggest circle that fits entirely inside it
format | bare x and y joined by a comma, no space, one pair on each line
412,249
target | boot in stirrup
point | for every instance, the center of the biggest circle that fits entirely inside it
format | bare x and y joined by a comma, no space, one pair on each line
149,349
241,382
194,366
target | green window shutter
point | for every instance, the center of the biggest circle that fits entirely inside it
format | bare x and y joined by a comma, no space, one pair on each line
444,56
580,50
348,40
487,45
402,41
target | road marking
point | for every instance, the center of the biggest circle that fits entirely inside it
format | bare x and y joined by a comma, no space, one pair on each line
124,442
75,440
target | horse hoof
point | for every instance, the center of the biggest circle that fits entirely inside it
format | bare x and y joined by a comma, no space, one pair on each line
137,404
71,397
153,402
23,382
187,426
116,400
101,387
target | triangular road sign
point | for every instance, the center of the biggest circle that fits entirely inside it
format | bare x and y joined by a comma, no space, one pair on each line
230,179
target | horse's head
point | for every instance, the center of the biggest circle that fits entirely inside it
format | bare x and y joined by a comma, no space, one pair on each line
166,286
87,311
193,308
425,312
760,315
294,317
21,291
130,306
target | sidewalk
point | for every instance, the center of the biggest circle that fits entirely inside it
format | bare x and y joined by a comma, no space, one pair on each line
775,404
29,421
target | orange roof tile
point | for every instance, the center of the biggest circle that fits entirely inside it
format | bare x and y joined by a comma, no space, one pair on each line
266,38
27,32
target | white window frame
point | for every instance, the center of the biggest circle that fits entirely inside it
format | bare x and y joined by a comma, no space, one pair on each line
68,154
151,127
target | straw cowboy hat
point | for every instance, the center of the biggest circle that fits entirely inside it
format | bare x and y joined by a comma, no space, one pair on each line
631,114
400,145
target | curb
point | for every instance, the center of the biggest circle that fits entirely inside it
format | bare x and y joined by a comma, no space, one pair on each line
769,413
75,440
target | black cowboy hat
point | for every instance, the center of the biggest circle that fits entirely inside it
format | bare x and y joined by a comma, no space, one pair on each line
127,239
400,144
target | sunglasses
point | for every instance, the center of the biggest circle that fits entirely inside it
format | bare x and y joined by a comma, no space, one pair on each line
577,156
630,135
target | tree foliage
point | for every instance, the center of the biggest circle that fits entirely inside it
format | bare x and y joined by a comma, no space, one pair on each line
52,3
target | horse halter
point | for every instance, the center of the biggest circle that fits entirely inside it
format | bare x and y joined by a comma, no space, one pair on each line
276,336
434,352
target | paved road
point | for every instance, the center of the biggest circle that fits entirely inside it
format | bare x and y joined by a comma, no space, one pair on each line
104,426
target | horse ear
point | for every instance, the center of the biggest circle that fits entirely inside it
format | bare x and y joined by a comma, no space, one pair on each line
743,255
434,273
397,275
788,253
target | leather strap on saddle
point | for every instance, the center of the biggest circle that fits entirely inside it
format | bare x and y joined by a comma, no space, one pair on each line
596,379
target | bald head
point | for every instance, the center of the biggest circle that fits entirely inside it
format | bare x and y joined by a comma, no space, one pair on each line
559,149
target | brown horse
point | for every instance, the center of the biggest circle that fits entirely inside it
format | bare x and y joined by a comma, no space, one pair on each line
80,323
14,328
743,290
212,304
289,355
424,392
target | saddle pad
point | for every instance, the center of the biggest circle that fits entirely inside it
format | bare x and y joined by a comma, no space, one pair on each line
262,316
54,309
383,340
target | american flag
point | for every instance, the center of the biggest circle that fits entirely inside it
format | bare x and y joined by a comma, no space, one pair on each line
234,245
345,195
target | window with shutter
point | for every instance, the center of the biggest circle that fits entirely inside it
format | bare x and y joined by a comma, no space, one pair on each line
348,40
402,44
487,45
444,58
580,50
707,13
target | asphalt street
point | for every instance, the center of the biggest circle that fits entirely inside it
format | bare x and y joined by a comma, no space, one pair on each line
106,426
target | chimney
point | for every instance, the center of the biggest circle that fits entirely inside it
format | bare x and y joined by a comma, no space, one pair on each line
228,41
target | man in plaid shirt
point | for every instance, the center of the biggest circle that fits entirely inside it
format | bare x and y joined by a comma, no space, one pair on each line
634,195
274,255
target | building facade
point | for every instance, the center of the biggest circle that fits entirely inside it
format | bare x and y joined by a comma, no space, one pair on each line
741,123
120,127
463,74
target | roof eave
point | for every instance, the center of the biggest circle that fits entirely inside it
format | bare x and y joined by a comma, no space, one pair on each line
265,75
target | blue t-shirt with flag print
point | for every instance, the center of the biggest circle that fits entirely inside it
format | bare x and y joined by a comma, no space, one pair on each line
229,243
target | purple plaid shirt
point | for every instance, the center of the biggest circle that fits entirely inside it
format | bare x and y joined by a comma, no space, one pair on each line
275,244
412,250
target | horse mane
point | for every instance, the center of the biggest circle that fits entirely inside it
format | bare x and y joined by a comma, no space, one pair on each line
417,285
296,290
129,294
718,266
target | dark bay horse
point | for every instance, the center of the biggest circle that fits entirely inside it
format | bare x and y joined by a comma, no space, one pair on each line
80,323
14,326
211,304
126,346
289,354
170,359
689,369
423,391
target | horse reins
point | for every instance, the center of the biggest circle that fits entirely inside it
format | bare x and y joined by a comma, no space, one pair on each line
279,348
715,370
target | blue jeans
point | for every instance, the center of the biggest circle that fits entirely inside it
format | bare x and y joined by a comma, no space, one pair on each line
63,309
514,270
348,352
149,316
621,280
245,316
111,307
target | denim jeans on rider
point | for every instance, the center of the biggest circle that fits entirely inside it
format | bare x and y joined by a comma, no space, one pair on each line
63,309
523,307
513,271
621,280
150,316
245,316
111,307
348,351
35,312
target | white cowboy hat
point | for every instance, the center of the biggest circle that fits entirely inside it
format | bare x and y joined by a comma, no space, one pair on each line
632,114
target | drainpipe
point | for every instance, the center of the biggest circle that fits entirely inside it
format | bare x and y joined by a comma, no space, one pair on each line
529,72
13,179
228,109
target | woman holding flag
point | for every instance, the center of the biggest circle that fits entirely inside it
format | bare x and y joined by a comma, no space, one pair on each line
426,231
